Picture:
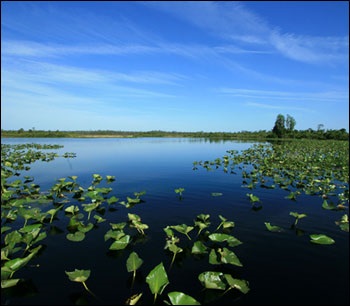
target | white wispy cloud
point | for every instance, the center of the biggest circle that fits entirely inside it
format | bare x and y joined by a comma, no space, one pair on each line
44,72
42,50
311,49
278,107
323,96
235,22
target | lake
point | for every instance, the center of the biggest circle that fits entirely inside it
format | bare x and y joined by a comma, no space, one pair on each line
282,268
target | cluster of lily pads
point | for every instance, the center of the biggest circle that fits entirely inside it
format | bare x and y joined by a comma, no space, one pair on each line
318,168
27,214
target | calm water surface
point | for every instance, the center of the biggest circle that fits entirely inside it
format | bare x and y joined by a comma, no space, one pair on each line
282,268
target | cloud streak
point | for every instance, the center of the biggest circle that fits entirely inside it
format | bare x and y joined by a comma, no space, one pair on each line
235,22
325,96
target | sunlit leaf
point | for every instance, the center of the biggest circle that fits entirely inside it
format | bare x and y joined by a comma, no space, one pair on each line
321,239
7,283
240,284
199,248
212,280
76,237
273,228
120,243
78,275
157,279
219,237
133,262
180,298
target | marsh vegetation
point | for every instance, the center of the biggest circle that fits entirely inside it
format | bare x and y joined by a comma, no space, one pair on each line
194,246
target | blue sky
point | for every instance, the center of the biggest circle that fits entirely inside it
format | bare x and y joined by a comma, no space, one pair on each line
174,66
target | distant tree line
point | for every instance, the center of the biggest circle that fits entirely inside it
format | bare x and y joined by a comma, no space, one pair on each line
284,128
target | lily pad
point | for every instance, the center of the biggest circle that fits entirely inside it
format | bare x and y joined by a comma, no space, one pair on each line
273,228
180,298
212,280
321,239
157,279
76,237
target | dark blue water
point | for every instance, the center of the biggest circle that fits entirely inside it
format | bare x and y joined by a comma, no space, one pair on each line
281,268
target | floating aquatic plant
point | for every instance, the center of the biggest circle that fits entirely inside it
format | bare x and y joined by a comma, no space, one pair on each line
273,228
157,279
321,239
80,276
180,298
133,263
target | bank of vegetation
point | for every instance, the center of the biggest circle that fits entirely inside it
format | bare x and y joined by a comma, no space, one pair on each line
284,128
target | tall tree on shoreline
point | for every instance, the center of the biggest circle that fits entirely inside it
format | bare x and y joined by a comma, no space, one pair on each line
279,128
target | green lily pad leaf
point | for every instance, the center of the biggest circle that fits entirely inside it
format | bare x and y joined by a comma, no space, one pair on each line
133,200
199,248
13,238
168,231
183,228
321,239
110,178
133,262
216,194
180,298
343,223
229,257
118,226
212,280
296,215
133,217
72,209
112,200
213,258
99,219
17,263
7,283
133,299
76,237
157,279
85,228
179,190
224,223
240,284
121,243
115,234
329,206
90,207
252,198
218,237
171,246
78,276
4,229
273,228
30,228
